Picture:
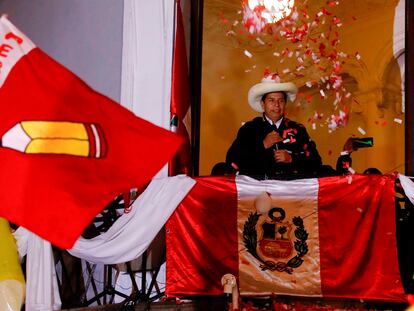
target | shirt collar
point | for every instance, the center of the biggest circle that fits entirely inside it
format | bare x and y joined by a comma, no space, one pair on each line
277,123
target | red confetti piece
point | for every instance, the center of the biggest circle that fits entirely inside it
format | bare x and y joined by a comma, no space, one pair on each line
326,12
333,55
322,48
336,20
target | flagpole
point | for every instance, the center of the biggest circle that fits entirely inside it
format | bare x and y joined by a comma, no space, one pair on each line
195,80
409,92
172,66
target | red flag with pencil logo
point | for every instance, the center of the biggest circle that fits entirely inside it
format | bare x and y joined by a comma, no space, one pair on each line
66,150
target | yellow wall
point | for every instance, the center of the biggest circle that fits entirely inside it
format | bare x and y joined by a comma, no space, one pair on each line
374,81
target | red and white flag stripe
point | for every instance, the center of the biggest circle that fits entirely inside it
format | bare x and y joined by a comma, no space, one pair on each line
329,237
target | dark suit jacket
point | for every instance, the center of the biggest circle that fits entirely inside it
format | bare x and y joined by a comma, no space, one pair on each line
248,153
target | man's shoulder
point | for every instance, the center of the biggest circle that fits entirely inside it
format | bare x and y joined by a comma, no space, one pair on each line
258,121
293,124
252,127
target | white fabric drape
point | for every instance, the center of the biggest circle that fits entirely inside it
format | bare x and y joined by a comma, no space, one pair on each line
126,240
132,233
147,59
408,187
147,51
42,291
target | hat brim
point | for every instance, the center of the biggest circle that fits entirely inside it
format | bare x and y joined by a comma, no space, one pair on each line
257,91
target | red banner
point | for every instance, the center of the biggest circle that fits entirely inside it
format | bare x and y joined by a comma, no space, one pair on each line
332,237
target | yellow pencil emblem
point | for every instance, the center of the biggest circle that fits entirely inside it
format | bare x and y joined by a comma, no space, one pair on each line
56,137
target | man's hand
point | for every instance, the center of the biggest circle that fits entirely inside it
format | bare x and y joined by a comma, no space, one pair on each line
271,139
282,156
349,146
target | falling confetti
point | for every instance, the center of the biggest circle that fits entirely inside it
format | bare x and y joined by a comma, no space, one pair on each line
260,41
310,43
397,120
335,121
248,54
361,130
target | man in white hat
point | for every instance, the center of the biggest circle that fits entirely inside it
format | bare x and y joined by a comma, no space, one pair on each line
272,145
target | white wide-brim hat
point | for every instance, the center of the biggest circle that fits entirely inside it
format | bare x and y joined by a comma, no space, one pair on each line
269,84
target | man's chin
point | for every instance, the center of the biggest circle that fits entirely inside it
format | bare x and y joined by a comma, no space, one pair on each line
275,117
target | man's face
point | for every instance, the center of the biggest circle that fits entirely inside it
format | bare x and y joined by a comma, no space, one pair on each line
274,105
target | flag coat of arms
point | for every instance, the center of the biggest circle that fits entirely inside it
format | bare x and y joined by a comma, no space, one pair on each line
332,237
66,150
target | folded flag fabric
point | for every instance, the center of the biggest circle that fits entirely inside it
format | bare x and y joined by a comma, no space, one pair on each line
66,150
180,106
332,237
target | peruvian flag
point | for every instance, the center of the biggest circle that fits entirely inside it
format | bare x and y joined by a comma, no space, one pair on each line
180,108
332,237
66,151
